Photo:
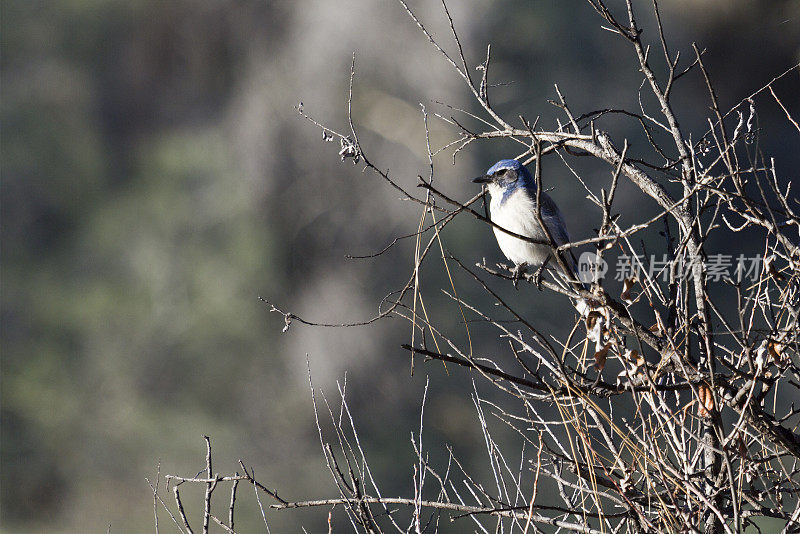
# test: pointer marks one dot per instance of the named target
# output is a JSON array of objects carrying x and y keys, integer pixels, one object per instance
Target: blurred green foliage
[{"x": 155, "y": 181}]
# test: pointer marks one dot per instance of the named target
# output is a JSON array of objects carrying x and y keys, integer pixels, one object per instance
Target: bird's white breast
[{"x": 518, "y": 214}]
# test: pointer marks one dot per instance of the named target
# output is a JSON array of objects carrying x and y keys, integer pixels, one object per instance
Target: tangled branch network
[{"x": 666, "y": 407}]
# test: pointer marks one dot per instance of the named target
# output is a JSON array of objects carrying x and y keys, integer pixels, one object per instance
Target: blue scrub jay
[{"x": 513, "y": 207}]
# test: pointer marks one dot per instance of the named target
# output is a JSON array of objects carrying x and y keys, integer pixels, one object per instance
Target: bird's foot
[
  {"x": 517, "y": 272},
  {"x": 537, "y": 276}
]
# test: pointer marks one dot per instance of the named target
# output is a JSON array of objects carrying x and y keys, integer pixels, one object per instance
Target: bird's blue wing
[
  {"x": 554, "y": 220},
  {"x": 557, "y": 227}
]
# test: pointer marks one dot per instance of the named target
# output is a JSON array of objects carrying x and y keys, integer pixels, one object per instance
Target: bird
[{"x": 513, "y": 207}]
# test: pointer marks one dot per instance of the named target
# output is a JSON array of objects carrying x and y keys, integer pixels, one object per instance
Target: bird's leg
[
  {"x": 517, "y": 271},
  {"x": 537, "y": 276}
]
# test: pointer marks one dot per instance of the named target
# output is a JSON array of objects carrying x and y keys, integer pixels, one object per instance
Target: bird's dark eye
[{"x": 501, "y": 172}]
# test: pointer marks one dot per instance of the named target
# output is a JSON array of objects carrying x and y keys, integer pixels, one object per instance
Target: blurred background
[{"x": 157, "y": 179}]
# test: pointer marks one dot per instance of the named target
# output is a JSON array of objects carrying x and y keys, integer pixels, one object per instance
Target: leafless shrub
[{"x": 665, "y": 398}]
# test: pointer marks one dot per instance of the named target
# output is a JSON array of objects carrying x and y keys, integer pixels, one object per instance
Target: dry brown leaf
[
  {"x": 595, "y": 328},
  {"x": 600, "y": 357},
  {"x": 706, "y": 398},
  {"x": 592, "y": 318},
  {"x": 769, "y": 266},
  {"x": 627, "y": 285},
  {"x": 776, "y": 351},
  {"x": 741, "y": 448},
  {"x": 634, "y": 358}
]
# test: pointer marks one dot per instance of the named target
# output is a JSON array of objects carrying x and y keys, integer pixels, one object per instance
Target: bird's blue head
[{"x": 506, "y": 175}]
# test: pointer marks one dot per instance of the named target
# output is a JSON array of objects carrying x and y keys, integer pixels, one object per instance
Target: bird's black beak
[{"x": 483, "y": 179}]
